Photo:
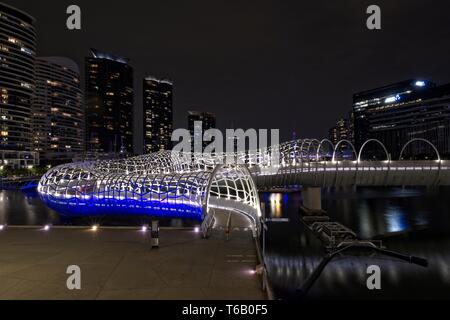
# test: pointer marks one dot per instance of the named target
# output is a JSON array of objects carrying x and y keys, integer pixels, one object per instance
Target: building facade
[
  {"x": 17, "y": 82},
  {"x": 398, "y": 113},
  {"x": 109, "y": 104},
  {"x": 208, "y": 121},
  {"x": 341, "y": 131},
  {"x": 158, "y": 114},
  {"x": 57, "y": 112}
]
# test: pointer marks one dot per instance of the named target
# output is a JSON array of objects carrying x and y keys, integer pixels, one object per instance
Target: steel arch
[
  {"x": 422, "y": 140},
  {"x": 339, "y": 143},
  {"x": 377, "y": 141}
]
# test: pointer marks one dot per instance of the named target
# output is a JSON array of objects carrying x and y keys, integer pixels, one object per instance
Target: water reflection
[
  {"x": 395, "y": 219},
  {"x": 18, "y": 208},
  {"x": 275, "y": 205},
  {"x": 411, "y": 221}
]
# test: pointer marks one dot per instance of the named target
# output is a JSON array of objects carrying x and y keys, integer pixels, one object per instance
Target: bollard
[{"x": 155, "y": 234}]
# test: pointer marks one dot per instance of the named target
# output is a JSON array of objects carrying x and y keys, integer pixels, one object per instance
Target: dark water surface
[{"x": 412, "y": 221}]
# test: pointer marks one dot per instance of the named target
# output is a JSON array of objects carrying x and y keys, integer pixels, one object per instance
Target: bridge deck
[{"x": 119, "y": 264}]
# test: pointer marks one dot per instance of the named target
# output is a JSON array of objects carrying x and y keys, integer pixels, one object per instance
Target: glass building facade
[
  {"x": 398, "y": 113},
  {"x": 109, "y": 104},
  {"x": 58, "y": 113},
  {"x": 158, "y": 114},
  {"x": 208, "y": 121}
]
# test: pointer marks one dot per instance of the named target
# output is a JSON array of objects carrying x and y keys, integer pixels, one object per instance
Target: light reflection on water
[
  {"x": 395, "y": 219},
  {"x": 17, "y": 208},
  {"x": 275, "y": 205},
  {"x": 411, "y": 221}
]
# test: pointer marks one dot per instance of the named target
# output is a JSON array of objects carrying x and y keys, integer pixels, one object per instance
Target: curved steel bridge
[{"x": 194, "y": 185}]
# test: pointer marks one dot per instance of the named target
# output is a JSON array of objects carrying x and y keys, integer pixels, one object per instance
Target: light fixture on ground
[
  {"x": 94, "y": 227},
  {"x": 2, "y": 227},
  {"x": 46, "y": 227},
  {"x": 196, "y": 229},
  {"x": 144, "y": 228}
]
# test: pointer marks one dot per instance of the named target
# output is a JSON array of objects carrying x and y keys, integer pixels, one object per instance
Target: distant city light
[
  {"x": 392, "y": 99},
  {"x": 2, "y": 227},
  {"x": 197, "y": 230},
  {"x": 94, "y": 227},
  {"x": 144, "y": 229},
  {"x": 420, "y": 83},
  {"x": 46, "y": 227}
]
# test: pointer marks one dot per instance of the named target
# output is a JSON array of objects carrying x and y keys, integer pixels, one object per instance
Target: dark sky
[{"x": 286, "y": 64}]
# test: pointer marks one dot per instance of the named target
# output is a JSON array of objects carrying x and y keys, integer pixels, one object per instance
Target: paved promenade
[{"x": 119, "y": 264}]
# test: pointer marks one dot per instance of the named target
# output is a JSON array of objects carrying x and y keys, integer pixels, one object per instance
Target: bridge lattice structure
[{"x": 183, "y": 185}]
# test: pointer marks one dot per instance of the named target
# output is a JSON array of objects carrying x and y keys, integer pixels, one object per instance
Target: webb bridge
[{"x": 193, "y": 186}]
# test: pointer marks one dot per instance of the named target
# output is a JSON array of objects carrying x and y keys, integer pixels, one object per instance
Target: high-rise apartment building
[
  {"x": 158, "y": 116},
  {"x": 109, "y": 104},
  {"x": 57, "y": 111}
]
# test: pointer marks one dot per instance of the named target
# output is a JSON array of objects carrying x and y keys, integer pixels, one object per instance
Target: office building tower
[
  {"x": 158, "y": 117},
  {"x": 208, "y": 121},
  {"x": 398, "y": 113},
  {"x": 109, "y": 104}
]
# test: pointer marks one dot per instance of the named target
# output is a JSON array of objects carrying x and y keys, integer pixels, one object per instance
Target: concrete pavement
[{"x": 119, "y": 264}]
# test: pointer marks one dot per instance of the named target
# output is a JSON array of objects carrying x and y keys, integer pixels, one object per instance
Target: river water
[{"x": 412, "y": 221}]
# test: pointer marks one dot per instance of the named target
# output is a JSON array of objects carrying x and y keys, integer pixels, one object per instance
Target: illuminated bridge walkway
[
  {"x": 193, "y": 186},
  {"x": 306, "y": 164}
]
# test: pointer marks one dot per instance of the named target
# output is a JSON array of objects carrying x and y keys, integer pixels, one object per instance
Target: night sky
[{"x": 292, "y": 65}]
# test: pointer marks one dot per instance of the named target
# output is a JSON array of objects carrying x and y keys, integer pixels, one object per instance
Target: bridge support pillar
[{"x": 312, "y": 198}]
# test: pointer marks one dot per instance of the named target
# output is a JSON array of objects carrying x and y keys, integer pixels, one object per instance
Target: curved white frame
[
  {"x": 339, "y": 143},
  {"x": 420, "y": 140},
  {"x": 388, "y": 158}
]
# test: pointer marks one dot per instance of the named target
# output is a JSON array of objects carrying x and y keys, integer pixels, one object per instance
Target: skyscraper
[
  {"x": 158, "y": 117},
  {"x": 208, "y": 121},
  {"x": 341, "y": 131},
  {"x": 17, "y": 80},
  {"x": 398, "y": 113},
  {"x": 109, "y": 104},
  {"x": 58, "y": 115}
]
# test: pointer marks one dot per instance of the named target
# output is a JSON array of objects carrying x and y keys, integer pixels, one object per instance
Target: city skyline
[{"x": 201, "y": 70}]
